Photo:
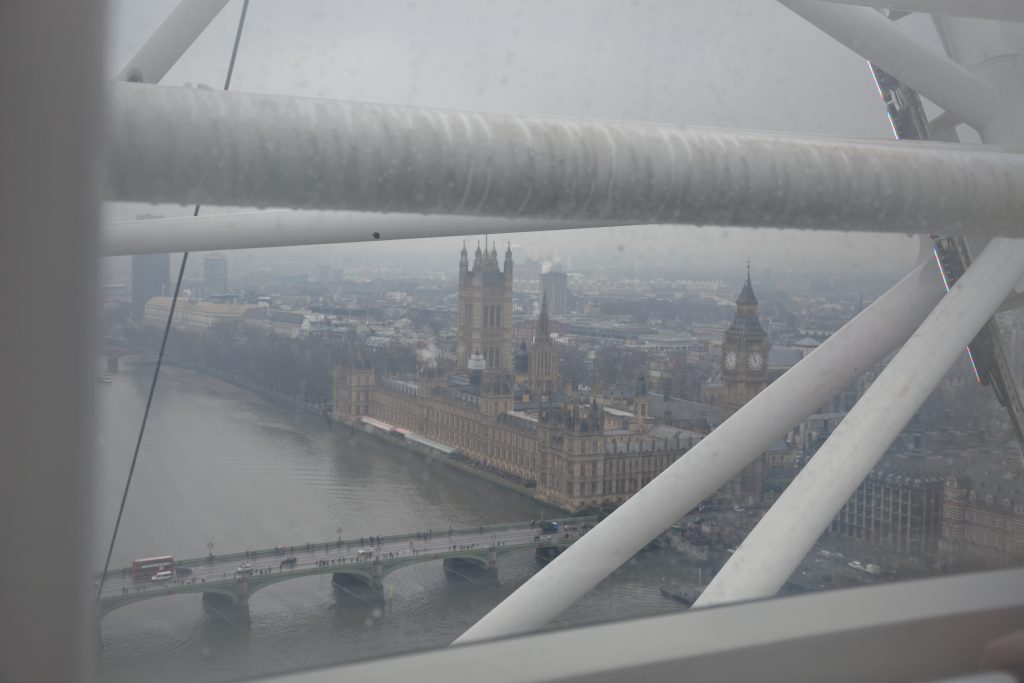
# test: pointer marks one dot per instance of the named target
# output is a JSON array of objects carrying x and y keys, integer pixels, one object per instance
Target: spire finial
[{"x": 747, "y": 293}]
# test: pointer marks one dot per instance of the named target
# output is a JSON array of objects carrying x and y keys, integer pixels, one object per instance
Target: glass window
[{"x": 321, "y": 446}]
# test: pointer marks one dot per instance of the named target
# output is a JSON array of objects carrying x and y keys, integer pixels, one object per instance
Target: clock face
[
  {"x": 730, "y": 360},
  {"x": 755, "y": 361}
]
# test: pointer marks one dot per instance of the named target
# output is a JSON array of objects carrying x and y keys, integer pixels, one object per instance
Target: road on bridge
[{"x": 318, "y": 556}]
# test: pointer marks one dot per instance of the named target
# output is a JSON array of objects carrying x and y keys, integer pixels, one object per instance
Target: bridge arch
[
  {"x": 471, "y": 558},
  {"x": 480, "y": 559},
  {"x": 108, "y": 606},
  {"x": 363, "y": 573}
]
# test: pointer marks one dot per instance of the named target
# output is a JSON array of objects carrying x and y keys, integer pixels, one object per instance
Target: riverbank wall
[
  {"x": 441, "y": 459},
  {"x": 427, "y": 453}
]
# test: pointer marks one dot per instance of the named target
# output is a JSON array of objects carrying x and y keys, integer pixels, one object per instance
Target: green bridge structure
[{"x": 229, "y": 581}]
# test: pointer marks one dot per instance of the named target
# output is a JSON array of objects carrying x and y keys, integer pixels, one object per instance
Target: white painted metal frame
[
  {"x": 193, "y": 146},
  {"x": 170, "y": 41},
  {"x": 772, "y": 551},
  {"x": 997, "y": 121},
  {"x": 880, "y": 41},
  {"x": 996, "y": 10},
  {"x": 827, "y": 482},
  {"x": 895, "y": 633}
]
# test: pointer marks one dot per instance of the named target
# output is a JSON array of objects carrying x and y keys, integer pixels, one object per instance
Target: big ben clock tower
[
  {"x": 744, "y": 373},
  {"x": 744, "y": 354}
]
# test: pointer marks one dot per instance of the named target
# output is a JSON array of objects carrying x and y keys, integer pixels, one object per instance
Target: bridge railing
[{"x": 284, "y": 551}]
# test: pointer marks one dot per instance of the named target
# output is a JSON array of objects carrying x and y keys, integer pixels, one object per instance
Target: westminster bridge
[{"x": 229, "y": 580}]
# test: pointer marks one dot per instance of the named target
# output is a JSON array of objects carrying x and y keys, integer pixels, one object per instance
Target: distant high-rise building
[
  {"x": 151, "y": 276},
  {"x": 215, "y": 275},
  {"x": 554, "y": 288},
  {"x": 485, "y": 309}
]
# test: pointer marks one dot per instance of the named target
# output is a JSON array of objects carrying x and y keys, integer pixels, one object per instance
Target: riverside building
[{"x": 571, "y": 449}]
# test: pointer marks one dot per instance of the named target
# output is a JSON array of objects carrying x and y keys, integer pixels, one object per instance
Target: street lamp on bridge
[
  {"x": 339, "y": 535},
  {"x": 209, "y": 548}
]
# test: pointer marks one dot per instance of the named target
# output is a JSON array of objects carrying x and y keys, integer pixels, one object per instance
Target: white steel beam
[
  {"x": 169, "y": 42},
  {"x": 997, "y": 10},
  {"x": 237, "y": 149},
  {"x": 882, "y": 42},
  {"x": 246, "y": 230},
  {"x": 737, "y": 442},
  {"x": 790, "y": 528}
]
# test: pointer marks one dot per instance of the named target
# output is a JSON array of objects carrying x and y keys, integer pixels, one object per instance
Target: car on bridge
[
  {"x": 365, "y": 554},
  {"x": 245, "y": 569},
  {"x": 289, "y": 561},
  {"x": 163, "y": 576}
]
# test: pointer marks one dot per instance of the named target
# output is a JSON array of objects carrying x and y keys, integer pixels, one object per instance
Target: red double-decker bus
[{"x": 151, "y": 565}]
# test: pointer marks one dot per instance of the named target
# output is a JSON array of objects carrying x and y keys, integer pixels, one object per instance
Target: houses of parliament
[{"x": 507, "y": 409}]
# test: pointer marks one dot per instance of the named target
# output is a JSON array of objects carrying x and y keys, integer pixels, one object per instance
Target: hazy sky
[{"x": 729, "y": 63}]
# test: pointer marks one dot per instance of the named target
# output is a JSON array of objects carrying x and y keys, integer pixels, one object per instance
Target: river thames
[{"x": 223, "y": 465}]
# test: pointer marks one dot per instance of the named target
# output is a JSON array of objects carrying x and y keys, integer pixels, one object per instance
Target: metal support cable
[{"x": 163, "y": 343}]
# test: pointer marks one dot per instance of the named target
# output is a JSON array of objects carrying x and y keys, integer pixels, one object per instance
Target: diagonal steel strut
[{"x": 782, "y": 538}]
